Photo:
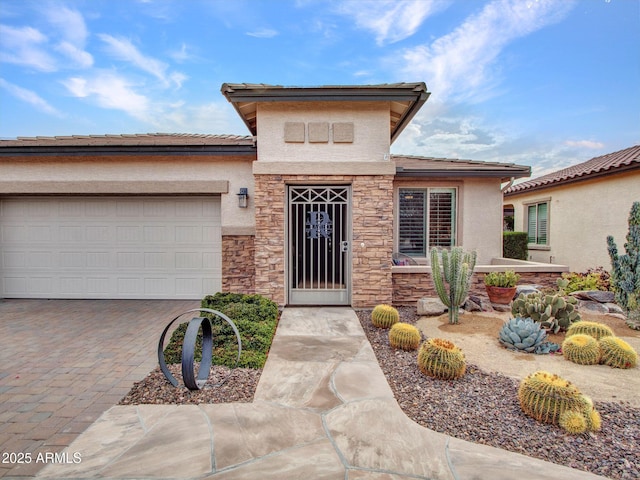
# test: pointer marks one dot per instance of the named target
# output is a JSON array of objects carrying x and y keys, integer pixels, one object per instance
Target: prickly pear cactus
[
  {"x": 553, "y": 312},
  {"x": 617, "y": 353},
  {"x": 525, "y": 335},
  {"x": 593, "y": 329},
  {"x": 441, "y": 359},
  {"x": 384, "y": 316},
  {"x": 456, "y": 272},
  {"x": 404, "y": 336},
  {"x": 547, "y": 397},
  {"x": 581, "y": 349}
]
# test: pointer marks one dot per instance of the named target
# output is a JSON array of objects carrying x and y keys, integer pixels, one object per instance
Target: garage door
[{"x": 110, "y": 247}]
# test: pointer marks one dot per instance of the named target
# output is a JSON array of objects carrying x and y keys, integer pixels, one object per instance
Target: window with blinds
[
  {"x": 538, "y": 223},
  {"x": 427, "y": 218}
]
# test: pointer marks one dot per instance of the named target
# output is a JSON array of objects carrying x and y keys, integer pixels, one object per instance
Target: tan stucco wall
[
  {"x": 581, "y": 215},
  {"x": 130, "y": 175},
  {"x": 371, "y": 131},
  {"x": 479, "y": 221}
]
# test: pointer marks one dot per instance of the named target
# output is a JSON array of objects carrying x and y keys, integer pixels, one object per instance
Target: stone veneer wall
[
  {"x": 409, "y": 287},
  {"x": 270, "y": 204},
  {"x": 238, "y": 264},
  {"x": 372, "y": 226}
]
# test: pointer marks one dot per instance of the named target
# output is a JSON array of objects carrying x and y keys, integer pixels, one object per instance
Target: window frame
[
  {"x": 536, "y": 204},
  {"x": 428, "y": 190}
]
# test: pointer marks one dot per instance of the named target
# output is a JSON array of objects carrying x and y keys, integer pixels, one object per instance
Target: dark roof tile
[{"x": 626, "y": 159}]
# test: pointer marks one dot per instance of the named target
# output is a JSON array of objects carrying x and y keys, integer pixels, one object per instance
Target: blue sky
[{"x": 542, "y": 83}]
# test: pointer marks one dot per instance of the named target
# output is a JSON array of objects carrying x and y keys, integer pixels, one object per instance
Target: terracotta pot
[{"x": 500, "y": 295}]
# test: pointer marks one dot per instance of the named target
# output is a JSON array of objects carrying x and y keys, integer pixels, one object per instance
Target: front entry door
[{"x": 319, "y": 248}]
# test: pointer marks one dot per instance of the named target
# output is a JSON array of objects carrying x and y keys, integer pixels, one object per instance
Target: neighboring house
[
  {"x": 306, "y": 210},
  {"x": 568, "y": 214}
]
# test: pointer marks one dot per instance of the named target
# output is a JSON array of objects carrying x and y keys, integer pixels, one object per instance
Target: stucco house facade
[
  {"x": 569, "y": 213},
  {"x": 307, "y": 209}
]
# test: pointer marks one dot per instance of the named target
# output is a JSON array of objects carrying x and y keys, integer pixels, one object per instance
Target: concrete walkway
[{"x": 322, "y": 410}]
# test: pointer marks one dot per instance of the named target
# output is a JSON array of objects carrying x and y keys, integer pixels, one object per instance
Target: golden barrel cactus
[
  {"x": 548, "y": 397},
  {"x": 404, "y": 336},
  {"x": 384, "y": 316},
  {"x": 617, "y": 353},
  {"x": 441, "y": 359},
  {"x": 593, "y": 329},
  {"x": 582, "y": 349}
]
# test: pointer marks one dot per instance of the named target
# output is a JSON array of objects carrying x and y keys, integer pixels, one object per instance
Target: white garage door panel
[{"x": 88, "y": 247}]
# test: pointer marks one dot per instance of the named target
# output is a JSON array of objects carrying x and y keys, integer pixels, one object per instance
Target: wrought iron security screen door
[{"x": 319, "y": 246}]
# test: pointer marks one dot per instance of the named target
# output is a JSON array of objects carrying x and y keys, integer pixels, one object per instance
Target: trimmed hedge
[
  {"x": 256, "y": 318},
  {"x": 515, "y": 245}
]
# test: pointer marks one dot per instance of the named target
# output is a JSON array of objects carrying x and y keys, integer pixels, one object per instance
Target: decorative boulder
[
  {"x": 594, "y": 307},
  {"x": 594, "y": 296},
  {"x": 431, "y": 307},
  {"x": 527, "y": 289}
]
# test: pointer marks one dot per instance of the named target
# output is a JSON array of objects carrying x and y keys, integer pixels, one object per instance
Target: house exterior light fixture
[{"x": 243, "y": 198}]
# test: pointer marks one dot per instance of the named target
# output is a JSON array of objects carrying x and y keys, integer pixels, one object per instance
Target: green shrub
[
  {"x": 592, "y": 279},
  {"x": 515, "y": 245},
  {"x": 256, "y": 318}
]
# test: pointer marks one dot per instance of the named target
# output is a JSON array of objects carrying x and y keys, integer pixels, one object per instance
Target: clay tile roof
[
  {"x": 616, "y": 162},
  {"x": 168, "y": 139}
]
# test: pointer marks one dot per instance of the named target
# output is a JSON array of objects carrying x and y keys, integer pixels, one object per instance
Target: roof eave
[
  {"x": 504, "y": 175},
  {"x": 409, "y": 114},
  {"x": 416, "y": 93}
]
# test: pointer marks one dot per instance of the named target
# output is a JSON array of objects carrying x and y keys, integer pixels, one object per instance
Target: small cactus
[
  {"x": 617, "y": 353},
  {"x": 582, "y": 349},
  {"x": 441, "y": 359},
  {"x": 593, "y": 329},
  {"x": 546, "y": 397},
  {"x": 573, "y": 422},
  {"x": 404, "y": 336},
  {"x": 384, "y": 316}
]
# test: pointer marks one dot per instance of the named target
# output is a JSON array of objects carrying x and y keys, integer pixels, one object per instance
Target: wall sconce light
[{"x": 243, "y": 198}]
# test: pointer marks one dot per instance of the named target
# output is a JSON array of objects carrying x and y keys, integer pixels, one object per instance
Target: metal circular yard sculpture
[{"x": 191, "y": 381}]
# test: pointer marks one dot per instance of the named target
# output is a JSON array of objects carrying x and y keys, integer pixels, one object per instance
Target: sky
[{"x": 544, "y": 83}]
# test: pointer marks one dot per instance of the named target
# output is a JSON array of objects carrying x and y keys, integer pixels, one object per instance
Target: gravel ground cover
[
  {"x": 483, "y": 408},
  {"x": 239, "y": 386}
]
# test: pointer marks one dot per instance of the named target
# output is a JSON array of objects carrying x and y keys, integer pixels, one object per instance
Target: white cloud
[
  {"x": 585, "y": 144},
  {"x": 111, "y": 91},
  {"x": 25, "y": 46},
  {"x": 214, "y": 117},
  {"x": 460, "y": 65},
  {"x": 30, "y": 97},
  {"x": 391, "y": 20},
  {"x": 69, "y": 23},
  {"x": 124, "y": 50},
  {"x": 181, "y": 55},
  {"x": 72, "y": 29},
  {"x": 77, "y": 55},
  {"x": 263, "y": 33}
]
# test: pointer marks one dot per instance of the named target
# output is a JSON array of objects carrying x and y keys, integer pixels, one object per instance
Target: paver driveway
[{"x": 64, "y": 362}]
